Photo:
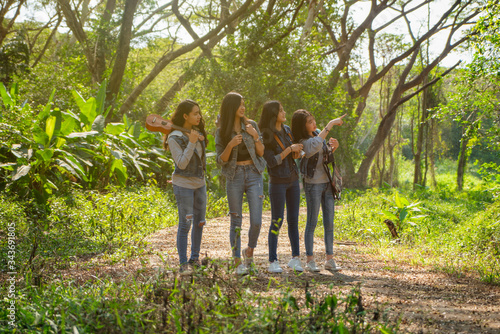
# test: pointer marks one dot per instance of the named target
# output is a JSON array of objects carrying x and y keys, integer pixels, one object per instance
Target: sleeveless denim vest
[
  {"x": 284, "y": 170},
  {"x": 197, "y": 165},
  {"x": 308, "y": 165}
]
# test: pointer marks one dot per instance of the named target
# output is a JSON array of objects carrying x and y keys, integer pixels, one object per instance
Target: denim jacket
[
  {"x": 276, "y": 166},
  {"x": 229, "y": 167},
  {"x": 197, "y": 165},
  {"x": 308, "y": 165}
]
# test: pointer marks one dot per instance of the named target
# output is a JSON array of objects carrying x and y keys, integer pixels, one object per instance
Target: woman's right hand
[
  {"x": 296, "y": 147},
  {"x": 193, "y": 136},
  {"x": 337, "y": 121},
  {"x": 236, "y": 140}
]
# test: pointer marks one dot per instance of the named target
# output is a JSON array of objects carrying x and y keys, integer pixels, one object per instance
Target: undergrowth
[
  {"x": 455, "y": 231},
  {"x": 212, "y": 300}
]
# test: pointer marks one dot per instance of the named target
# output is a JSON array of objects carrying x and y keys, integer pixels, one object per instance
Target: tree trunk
[
  {"x": 77, "y": 29},
  {"x": 432, "y": 161},
  {"x": 462, "y": 162},
  {"x": 102, "y": 37},
  {"x": 392, "y": 161},
  {"x": 5, "y": 7},
  {"x": 417, "y": 176},
  {"x": 122, "y": 51}
]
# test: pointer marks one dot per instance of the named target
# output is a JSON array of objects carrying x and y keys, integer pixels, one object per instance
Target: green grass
[
  {"x": 459, "y": 234},
  {"x": 212, "y": 301}
]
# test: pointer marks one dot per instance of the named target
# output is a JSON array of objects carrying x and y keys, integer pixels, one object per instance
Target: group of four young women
[{"x": 243, "y": 150}]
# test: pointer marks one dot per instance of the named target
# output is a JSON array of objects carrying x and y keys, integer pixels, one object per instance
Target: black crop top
[{"x": 243, "y": 153}]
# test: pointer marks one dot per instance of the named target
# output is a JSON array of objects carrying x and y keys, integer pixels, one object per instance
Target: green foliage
[
  {"x": 212, "y": 302},
  {"x": 14, "y": 58},
  {"x": 459, "y": 232},
  {"x": 68, "y": 146},
  {"x": 79, "y": 224},
  {"x": 490, "y": 172},
  {"x": 402, "y": 212}
]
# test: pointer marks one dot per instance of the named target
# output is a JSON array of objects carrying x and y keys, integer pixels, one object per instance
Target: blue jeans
[
  {"x": 316, "y": 195},
  {"x": 281, "y": 193},
  {"x": 191, "y": 206},
  {"x": 247, "y": 179}
]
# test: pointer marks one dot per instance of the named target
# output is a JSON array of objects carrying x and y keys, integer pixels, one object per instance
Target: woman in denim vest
[
  {"x": 284, "y": 187},
  {"x": 317, "y": 185},
  {"x": 239, "y": 152},
  {"x": 188, "y": 179}
]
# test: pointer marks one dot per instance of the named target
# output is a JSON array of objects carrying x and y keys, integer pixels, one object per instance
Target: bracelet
[
  {"x": 327, "y": 130},
  {"x": 256, "y": 140}
]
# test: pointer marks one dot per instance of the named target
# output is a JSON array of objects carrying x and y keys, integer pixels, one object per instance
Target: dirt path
[{"x": 426, "y": 300}]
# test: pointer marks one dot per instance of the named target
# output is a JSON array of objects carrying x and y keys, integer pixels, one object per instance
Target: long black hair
[
  {"x": 299, "y": 120},
  {"x": 267, "y": 122},
  {"x": 230, "y": 104},
  {"x": 184, "y": 108}
]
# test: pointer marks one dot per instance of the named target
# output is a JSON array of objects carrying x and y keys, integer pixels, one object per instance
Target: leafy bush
[
  {"x": 212, "y": 301},
  {"x": 87, "y": 223}
]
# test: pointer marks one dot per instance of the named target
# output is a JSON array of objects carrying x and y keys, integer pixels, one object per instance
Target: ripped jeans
[
  {"x": 191, "y": 206},
  {"x": 247, "y": 179}
]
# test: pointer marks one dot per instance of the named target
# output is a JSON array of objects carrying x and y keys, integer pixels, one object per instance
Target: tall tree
[
  {"x": 347, "y": 36},
  {"x": 8, "y": 8},
  {"x": 197, "y": 42}
]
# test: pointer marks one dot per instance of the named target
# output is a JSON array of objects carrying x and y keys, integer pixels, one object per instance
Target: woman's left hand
[
  {"x": 334, "y": 143},
  {"x": 252, "y": 131}
]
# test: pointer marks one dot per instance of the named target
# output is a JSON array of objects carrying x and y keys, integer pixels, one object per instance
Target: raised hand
[
  {"x": 252, "y": 131},
  {"x": 338, "y": 121},
  {"x": 193, "y": 136},
  {"x": 296, "y": 147},
  {"x": 236, "y": 140},
  {"x": 334, "y": 143}
]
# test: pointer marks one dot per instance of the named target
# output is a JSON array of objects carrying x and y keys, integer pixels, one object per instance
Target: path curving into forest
[{"x": 426, "y": 300}]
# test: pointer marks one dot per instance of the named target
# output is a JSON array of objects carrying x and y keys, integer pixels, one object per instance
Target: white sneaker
[
  {"x": 311, "y": 266},
  {"x": 274, "y": 267},
  {"x": 295, "y": 264},
  {"x": 241, "y": 269},
  {"x": 331, "y": 266}
]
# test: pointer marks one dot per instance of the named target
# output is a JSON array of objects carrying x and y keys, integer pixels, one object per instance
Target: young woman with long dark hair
[
  {"x": 317, "y": 185},
  {"x": 188, "y": 179},
  {"x": 284, "y": 187},
  {"x": 239, "y": 152}
]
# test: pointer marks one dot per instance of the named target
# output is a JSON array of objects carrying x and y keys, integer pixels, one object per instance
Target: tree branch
[{"x": 167, "y": 58}]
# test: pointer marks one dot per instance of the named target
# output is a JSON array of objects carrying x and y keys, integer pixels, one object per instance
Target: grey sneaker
[
  {"x": 185, "y": 270},
  {"x": 248, "y": 259},
  {"x": 295, "y": 264},
  {"x": 241, "y": 269},
  {"x": 311, "y": 266},
  {"x": 332, "y": 266},
  {"x": 275, "y": 267},
  {"x": 195, "y": 264}
]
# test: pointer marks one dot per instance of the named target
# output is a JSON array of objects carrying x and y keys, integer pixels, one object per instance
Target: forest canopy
[{"x": 379, "y": 62}]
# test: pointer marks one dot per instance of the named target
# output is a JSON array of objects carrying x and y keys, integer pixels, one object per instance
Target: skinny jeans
[{"x": 319, "y": 194}]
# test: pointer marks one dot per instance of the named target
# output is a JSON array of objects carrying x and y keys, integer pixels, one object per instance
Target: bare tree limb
[
  {"x": 169, "y": 57},
  {"x": 47, "y": 43}
]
